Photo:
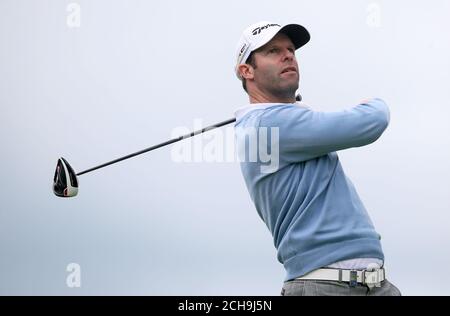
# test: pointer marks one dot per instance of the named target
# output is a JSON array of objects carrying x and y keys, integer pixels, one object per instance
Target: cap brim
[{"x": 297, "y": 33}]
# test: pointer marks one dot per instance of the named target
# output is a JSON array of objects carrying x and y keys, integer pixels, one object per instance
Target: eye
[
  {"x": 292, "y": 50},
  {"x": 273, "y": 50}
]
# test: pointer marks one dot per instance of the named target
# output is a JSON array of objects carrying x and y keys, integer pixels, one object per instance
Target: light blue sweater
[{"x": 309, "y": 205}]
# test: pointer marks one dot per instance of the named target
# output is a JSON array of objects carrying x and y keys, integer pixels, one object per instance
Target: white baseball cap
[{"x": 259, "y": 34}]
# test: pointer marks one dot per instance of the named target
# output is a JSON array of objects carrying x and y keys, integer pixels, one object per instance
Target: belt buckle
[{"x": 372, "y": 278}]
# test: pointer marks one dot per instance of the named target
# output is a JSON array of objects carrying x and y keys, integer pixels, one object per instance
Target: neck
[{"x": 260, "y": 97}]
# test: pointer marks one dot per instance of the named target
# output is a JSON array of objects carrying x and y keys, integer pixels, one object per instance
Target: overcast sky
[{"x": 99, "y": 79}]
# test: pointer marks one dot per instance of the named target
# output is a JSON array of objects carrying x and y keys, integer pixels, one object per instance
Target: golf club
[{"x": 65, "y": 182}]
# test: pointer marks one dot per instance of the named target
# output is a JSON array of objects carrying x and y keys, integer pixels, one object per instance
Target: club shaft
[{"x": 171, "y": 141}]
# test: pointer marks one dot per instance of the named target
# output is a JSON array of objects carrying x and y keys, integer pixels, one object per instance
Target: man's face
[{"x": 276, "y": 69}]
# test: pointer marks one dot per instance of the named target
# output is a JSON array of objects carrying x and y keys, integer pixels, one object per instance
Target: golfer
[{"x": 321, "y": 229}]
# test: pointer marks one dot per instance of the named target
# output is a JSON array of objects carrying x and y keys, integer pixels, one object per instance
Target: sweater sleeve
[{"x": 306, "y": 134}]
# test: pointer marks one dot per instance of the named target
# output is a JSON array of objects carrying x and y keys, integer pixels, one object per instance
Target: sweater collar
[{"x": 244, "y": 110}]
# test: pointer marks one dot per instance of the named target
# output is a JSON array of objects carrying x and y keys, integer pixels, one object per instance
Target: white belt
[{"x": 370, "y": 278}]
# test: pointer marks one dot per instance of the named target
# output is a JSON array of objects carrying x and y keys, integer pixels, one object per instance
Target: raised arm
[{"x": 305, "y": 134}]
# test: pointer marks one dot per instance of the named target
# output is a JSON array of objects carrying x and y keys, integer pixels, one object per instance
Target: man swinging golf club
[{"x": 321, "y": 229}]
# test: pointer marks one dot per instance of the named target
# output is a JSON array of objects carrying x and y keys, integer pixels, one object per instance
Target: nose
[{"x": 288, "y": 54}]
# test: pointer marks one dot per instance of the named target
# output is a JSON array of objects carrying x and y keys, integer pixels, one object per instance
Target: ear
[{"x": 246, "y": 71}]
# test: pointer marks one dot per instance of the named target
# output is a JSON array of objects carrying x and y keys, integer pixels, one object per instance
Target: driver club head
[{"x": 65, "y": 183}]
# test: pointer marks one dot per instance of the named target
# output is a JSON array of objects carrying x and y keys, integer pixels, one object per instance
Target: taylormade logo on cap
[{"x": 259, "y": 29}]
